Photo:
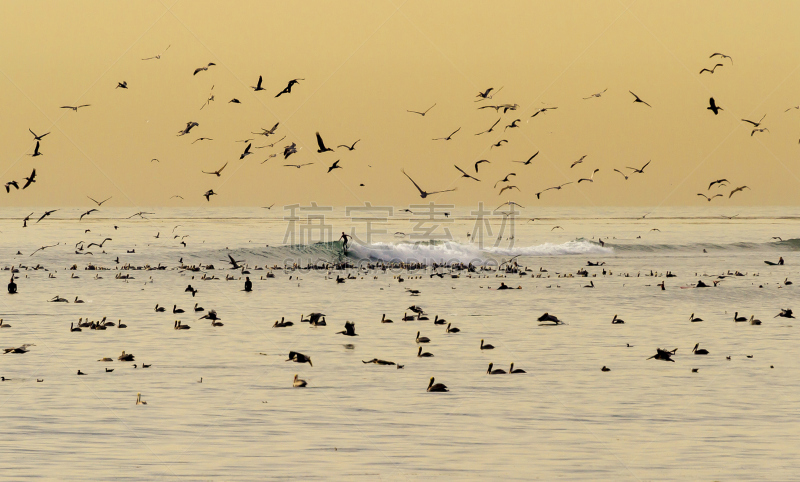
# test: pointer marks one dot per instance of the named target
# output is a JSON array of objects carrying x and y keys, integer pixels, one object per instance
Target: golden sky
[{"x": 364, "y": 64}]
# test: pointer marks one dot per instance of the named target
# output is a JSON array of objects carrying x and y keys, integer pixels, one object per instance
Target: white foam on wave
[{"x": 451, "y": 252}]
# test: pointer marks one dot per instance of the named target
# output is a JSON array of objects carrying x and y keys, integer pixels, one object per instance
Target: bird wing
[
  {"x": 701, "y": 194},
  {"x": 461, "y": 170},
  {"x": 446, "y": 190},
  {"x": 414, "y": 183},
  {"x": 223, "y": 167},
  {"x": 754, "y": 123},
  {"x": 320, "y": 143},
  {"x": 642, "y": 169},
  {"x": 476, "y": 164},
  {"x": 259, "y": 82}
]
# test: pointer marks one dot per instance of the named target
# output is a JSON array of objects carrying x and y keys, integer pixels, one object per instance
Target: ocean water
[{"x": 565, "y": 419}]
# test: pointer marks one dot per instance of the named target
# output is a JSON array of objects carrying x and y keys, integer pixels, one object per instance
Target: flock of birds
[{"x": 505, "y": 183}]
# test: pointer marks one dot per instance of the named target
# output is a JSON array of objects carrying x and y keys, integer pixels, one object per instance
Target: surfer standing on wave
[{"x": 345, "y": 239}]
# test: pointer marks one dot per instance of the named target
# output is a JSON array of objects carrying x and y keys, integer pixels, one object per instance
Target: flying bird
[
  {"x": 202, "y": 139},
  {"x": 159, "y": 55},
  {"x": 448, "y": 137},
  {"x": 267, "y": 132},
  {"x": 763, "y": 129},
  {"x": 740, "y": 188},
  {"x": 590, "y": 178},
  {"x": 637, "y": 99},
  {"x": 258, "y": 86},
  {"x": 87, "y": 213},
  {"x": 490, "y": 129},
  {"x": 122, "y": 85},
  {"x": 234, "y": 101},
  {"x": 464, "y": 174},
  {"x": 321, "y": 145},
  {"x": 713, "y": 106},
  {"x": 36, "y": 151},
  {"x": 201, "y": 69},
  {"x": 709, "y": 198},
  {"x": 335, "y": 165},
  {"x": 529, "y": 159},
  {"x": 99, "y": 244},
  {"x": 718, "y": 181},
  {"x": 538, "y": 194},
  {"x": 513, "y": 124},
  {"x": 35, "y": 137},
  {"x": 246, "y": 152},
  {"x": 349, "y": 148},
  {"x": 100, "y": 203},
  {"x": 43, "y": 248},
  {"x": 578, "y": 161},
  {"x": 217, "y": 172},
  {"x": 543, "y": 110},
  {"x": 288, "y": 89},
  {"x": 711, "y": 70},
  {"x": 721, "y": 55},
  {"x": 424, "y": 194},
  {"x": 485, "y": 94},
  {"x": 639, "y": 171},
  {"x": 25, "y": 221},
  {"x": 289, "y": 150},
  {"x": 30, "y": 179},
  {"x": 11, "y": 183},
  {"x": 209, "y": 193},
  {"x": 505, "y": 179},
  {"x": 480, "y": 162},
  {"x": 499, "y": 143},
  {"x": 755, "y": 124},
  {"x": 507, "y": 187},
  {"x": 46, "y": 213},
  {"x": 298, "y": 165},
  {"x": 75, "y": 108},
  {"x": 421, "y": 113},
  {"x": 189, "y": 126},
  {"x": 623, "y": 174},
  {"x": 597, "y": 94}
]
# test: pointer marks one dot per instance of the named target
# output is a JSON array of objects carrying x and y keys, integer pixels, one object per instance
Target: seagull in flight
[
  {"x": 464, "y": 174},
  {"x": 485, "y": 94},
  {"x": 202, "y": 139},
  {"x": 25, "y": 221},
  {"x": 298, "y": 165},
  {"x": 208, "y": 194},
  {"x": 43, "y": 248},
  {"x": 448, "y": 137},
  {"x": 421, "y": 113},
  {"x": 480, "y": 162},
  {"x": 639, "y": 171},
  {"x": 159, "y": 55},
  {"x": 36, "y": 151},
  {"x": 711, "y": 70},
  {"x": 217, "y": 172},
  {"x": 490, "y": 129},
  {"x": 321, "y": 145},
  {"x": 267, "y": 132},
  {"x": 543, "y": 110},
  {"x": 712, "y": 106},
  {"x": 509, "y": 203},
  {"x": 525, "y": 163},
  {"x": 201, "y": 69},
  {"x": 763, "y": 129},
  {"x": 623, "y": 174},
  {"x": 46, "y": 213},
  {"x": 189, "y": 126},
  {"x": 289, "y": 150},
  {"x": 709, "y": 198},
  {"x": 35, "y": 137},
  {"x": 499, "y": 143},
  {"x": 349, "y": 148},
  {"x": 505, "y": 179},
  {"x": 513, "y": 124},
  {"x": 637, "y": 99},
  {"x": 75, "y": 107},
  {"x": 578, "y": 161},
  {"x": 424, "y": 194},
  {"x": 30, "y": 179},
  {"x": 11, "y": 183},
  {"x": 335, "y": 165},
  {"x": 538, "y": 194},
  {"x": 740, "y": 188},
  {"x": 258, "y": 87},
  {"x": 755, "y": 124},
  {"x": 246, "y": 152},
  {"x": 99, "y": 244},
  {"x": 721, "y": 55},
  {"x": 122, "y": 85},
  {"x": 100, "y": 203},
  {"x": 507, "y": 187},
  {"x": 288, "y": 89},
  {"x": 140, "y": 214},
  {"x": 721, "y": 183},
  {"x": 590, "y": 178},
  {"x": 597, "y": 94}
]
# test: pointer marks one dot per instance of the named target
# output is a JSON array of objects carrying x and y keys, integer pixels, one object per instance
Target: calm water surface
[{"x": 734, "y": 419}]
